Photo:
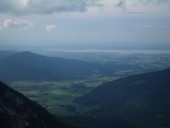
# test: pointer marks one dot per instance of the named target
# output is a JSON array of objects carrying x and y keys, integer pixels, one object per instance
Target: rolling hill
[
  {"x": 30, "y": 66},
  {"x": 17, "y": 111},
  {"x": 4, "y": 53},
  {"x": 142, "y": 100}
]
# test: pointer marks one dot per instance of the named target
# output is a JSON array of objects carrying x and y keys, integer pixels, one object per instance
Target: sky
[{"x": 120, "y": 23}]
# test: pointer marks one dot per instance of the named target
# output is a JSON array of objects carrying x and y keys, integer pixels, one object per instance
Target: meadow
[{"x": 58, "y": 96}]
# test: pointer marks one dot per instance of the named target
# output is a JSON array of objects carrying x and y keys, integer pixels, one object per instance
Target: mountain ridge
[
  {"x": 141, "y": 99},
  {"x": 31, "y": 66}
]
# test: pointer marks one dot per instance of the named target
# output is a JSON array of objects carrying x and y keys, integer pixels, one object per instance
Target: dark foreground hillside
[
  {"x": 16, "y": 111},
  {"x": 142, "y": 100}
]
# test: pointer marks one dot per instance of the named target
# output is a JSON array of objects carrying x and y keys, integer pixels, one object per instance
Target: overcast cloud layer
[
  {"x": 41, "y": 6},
  {"x": 117, "y": 22},
  {"x": 52, "y": 6}
]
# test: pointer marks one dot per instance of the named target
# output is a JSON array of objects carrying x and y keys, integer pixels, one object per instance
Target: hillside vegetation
[{"x": 142, "y": 100}]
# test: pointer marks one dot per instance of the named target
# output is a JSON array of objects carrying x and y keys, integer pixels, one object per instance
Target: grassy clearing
[{"x": 58, "y": 96}]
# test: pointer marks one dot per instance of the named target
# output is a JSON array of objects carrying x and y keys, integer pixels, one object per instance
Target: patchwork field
[{"x": 58, "y": 97}]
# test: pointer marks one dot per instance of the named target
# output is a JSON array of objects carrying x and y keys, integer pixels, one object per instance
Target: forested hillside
[{"x": 142, "y": 100}]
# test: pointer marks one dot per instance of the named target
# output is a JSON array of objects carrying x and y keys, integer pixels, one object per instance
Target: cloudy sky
[{"x": 80, "y": 22}]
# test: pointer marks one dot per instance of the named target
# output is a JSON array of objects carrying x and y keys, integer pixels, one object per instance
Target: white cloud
[
  {"x": 56, "y": 6},
  {"x": 50, "y": 27},
  {"x": 15, "y": 23}
]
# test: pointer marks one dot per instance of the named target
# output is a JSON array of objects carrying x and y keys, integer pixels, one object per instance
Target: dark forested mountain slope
[
  {"x": 16, "y": 111},
  {"x": 142, "y": 99}
]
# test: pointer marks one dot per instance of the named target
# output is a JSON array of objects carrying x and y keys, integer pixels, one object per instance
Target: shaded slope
[
  {"x": 142, "y": 99},
  {"x": 4, "y": 53},
  {"x": 30, "y": 66},
  {"x": 16, "y": 111}
]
